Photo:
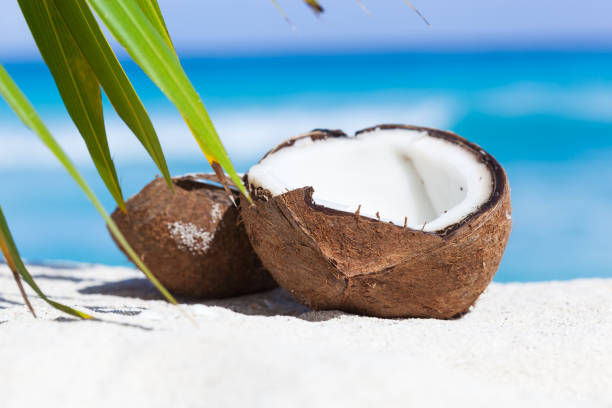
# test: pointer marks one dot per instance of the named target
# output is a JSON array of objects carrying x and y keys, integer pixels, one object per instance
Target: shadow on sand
[
  {"x": 276, "y": 302},
  {"x": 63, "y": 319}
]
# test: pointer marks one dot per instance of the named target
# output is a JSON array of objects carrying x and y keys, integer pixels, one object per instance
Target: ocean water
[{"x": 546, "y": 116}]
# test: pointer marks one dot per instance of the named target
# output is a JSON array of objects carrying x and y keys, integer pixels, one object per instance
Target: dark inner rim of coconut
[{"x": 197, "y": 181}]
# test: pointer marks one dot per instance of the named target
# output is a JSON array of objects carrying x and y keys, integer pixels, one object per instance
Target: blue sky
[{"x": 254, "y": 26}]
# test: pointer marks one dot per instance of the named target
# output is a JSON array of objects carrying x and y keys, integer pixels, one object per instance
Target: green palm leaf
[
  {"x": 13, "y": 259},
  {"x": 86, "y": 32},
  {"x": 151, "y": 9},
  {"x": 22, "y": 107},
  {"x": 76, "y": 82},
  {"x": 130, "y": 25}
]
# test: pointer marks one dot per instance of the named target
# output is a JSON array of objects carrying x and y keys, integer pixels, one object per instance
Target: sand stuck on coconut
[{"x": 192, "y": 239}]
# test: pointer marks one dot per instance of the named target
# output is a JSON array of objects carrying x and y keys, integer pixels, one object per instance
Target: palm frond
[
  {"x": 151, "y": 9},
  {"x": 283, "y": 14},
  {"x": 76, "y": 83},
  {"x": 314, "y": 6},
  {"x": 416, "y": 10},
  {"x": 26, "y": 112},
  {"x": 13, "y": 260},
  {"x": 91, "y": 41},
  {"x": 130, "y": 25}
]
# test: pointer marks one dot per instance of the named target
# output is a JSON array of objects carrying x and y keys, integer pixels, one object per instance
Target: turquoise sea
[{"x": 546, "y": 116}]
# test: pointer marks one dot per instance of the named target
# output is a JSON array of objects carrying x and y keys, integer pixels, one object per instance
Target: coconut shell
[
  {"x": 192, "y": 240},
  {"x": 330, "y": 259}
]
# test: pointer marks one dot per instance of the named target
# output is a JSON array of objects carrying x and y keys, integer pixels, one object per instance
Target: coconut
[
  {"x": 395, "y": 221},
  {"x": 192, "y": 239}
]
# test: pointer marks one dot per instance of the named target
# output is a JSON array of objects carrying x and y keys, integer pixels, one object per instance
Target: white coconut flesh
[{"x": 403, "y": 175}]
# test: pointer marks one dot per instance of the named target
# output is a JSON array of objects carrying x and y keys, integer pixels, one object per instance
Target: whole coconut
[
  {"x": 192, "y": 240},
  {"x": 331, "y": 252}
]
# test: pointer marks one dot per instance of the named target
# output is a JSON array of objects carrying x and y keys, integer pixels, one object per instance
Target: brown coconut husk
[
  {"x": 193, "y": 240},
  {"x": 330, "y": 259}
]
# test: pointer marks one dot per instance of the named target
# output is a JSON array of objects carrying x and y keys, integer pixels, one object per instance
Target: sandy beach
[
  {"x": 527, "y": 344},
  {"x": 384, "y": 158}
]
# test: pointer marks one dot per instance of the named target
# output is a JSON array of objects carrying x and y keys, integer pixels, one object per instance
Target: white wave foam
[
  {"x": 247, "y": 133},
  {"x": 584, "y": 101}
]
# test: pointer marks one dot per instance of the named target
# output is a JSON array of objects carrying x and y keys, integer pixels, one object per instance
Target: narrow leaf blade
[
  {"x": 314, "y": 6},
  {"x": 15, "y": 263},
  {"x": 416, "y": 10},
  {"x": 151, "y": 9},
  {"x": 284, "y": 15},
  {"x": 26, "y": 112},
  {"x": 89, "y": 37},
  {"x": 126, "y": 21},
  {"x": 76, "y": 83}
]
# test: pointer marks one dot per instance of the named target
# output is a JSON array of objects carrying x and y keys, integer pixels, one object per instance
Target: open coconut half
[{"x": 395, "y": 221}]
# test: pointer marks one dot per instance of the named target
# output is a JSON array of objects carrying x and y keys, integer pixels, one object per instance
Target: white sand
[{"x": 536, "y": 344}]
